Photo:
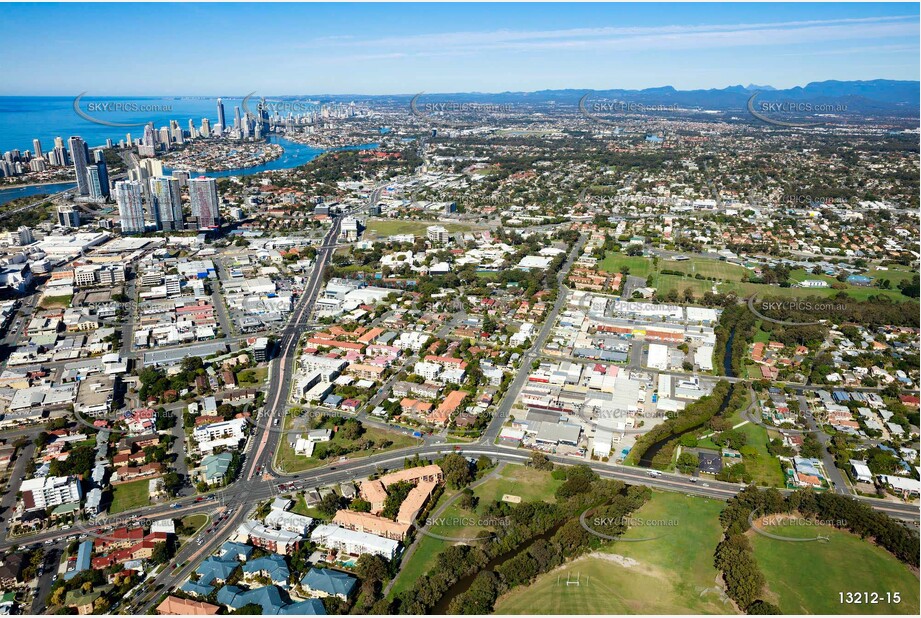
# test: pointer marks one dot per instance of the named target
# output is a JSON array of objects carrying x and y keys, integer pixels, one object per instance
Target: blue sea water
[{"x": 24, "y": 118}]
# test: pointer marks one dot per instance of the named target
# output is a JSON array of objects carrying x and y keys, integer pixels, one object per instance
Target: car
[
  {"x": 175, "y": 506},
  {"x": 49, "y": 541},
  {"x": 705, "y": 484},
  {"x": 200, "y": 499},
  {"x": 693, "y": 479},
  {"x": 332, "y": 467}
]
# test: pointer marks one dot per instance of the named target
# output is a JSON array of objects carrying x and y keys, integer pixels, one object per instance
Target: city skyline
[{"x": 397, "y": 49}]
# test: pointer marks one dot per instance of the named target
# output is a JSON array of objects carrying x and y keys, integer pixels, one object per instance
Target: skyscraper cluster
[{"x": 163, "y": 198}]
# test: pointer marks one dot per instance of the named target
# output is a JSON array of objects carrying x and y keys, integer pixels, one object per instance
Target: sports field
[
  {"x": 730, "y": 278},
  {"x": 704, "y": 267},
  {"x": 666, "y": 283},
  {"x": 807, "y": 577},
  {"x": 638, "y": 265},
  {"x": 672, "y": 574}
]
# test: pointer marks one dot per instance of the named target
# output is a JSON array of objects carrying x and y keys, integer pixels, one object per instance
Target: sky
[{"x": 287, "y": 49}]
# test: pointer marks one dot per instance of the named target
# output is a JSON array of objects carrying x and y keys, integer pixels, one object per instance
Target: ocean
[{"x": 23, "y": 119}]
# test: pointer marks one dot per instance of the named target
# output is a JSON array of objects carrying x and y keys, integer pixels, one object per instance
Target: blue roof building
[
  {"x": 269, "y": 598},
  {"x": 272, "y": 566},
  {"x": 196, "y": 588},
  {"x": 237, "y": 551},
  {"x": 84, "y": 560},
  {"x": 329, "y": 583},
  {"x": 310, "y": 607},
  {"x": 215, "y": 569}
]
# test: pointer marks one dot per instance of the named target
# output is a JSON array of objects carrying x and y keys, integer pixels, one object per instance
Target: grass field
[
  {"x": 806, "y": 578},
  {"x": 638, "y": 265},
  {"x": 259, "y": 375},
  {"x": 764, "y": 468},
  {"x": 761, "y": 336},
  {"x": 760, "y": 289},
  {"x": 894, "y": 274},
  {"x": 707, "y": 268},
  {"x": 392, "y": 227},
  {"x": 300, "y": 507},
  {"x": 290, "y": 462},
  {"x": 53, "y": 302},
  {"x": 130, "y": 496},
  {"x": 731, "y": 278},
  {"x": 666, "y": 283},
  {"x": 673, "y": 574},
  {"x": 519, "y": 480}
]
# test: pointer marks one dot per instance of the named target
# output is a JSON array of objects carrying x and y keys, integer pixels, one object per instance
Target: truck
[{"x": 654, "y": 473}]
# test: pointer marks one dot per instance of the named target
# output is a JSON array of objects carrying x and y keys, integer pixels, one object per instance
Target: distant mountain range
[{"x": 874, "y": 97}]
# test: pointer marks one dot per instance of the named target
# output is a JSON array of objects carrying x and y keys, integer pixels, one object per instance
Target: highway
[{"x": 259, "y": 481}]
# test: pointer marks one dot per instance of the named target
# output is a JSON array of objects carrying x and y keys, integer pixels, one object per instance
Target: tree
[
  {"x": 811, "y": 447},
  {"x": 688, "y": 462},
  {"x": 160, "y": 553},
  {"x": 330, "y": 503},
  {"x": 763, "y": 608},
  {"x": 540, "y": 461},
  {"x": 360, "y": 505},
  {"x": 579, "y": 480},
  {"x": 250, "y": 609},
  {"x": 468, "y": 500},
  {"x": 372, "y": 569},
  {"x": 456, "y": 470}
]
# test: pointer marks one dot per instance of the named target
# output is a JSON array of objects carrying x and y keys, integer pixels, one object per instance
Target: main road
[{"x": 258, "y": 482}]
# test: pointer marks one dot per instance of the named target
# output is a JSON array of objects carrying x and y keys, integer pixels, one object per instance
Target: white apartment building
[
  {"x": 226, "y": 433},
  {"x": 437, "y": 234},
  {"x": 427, "y": 370},
  {"x": 40, "y": 493},
  {"x": 353, "y": 542}
]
